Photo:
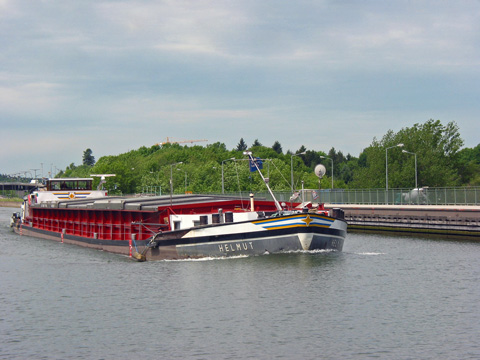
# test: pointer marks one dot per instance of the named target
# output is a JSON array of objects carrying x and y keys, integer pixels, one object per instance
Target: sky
[{"x": 113, "y": 75}]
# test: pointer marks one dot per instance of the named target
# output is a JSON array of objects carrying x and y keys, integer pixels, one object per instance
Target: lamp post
[
  {"x": 223, "y": 187},
  {"x": 171, "y": 181},
  {"x": 291, "y": 166},
  {"x": 386, "y": 170},
  {"x": 324, "y": 157},
  {"x": 411, "y": 153}
]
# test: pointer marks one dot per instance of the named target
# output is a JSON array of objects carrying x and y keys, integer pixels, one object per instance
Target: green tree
[
  {"x": 436, "y": 146},
  {"x": 256, "y": 143},
  {"x": 440, "y": 162},
  {"x": 302, "y": 149},
  {"x": 468, "y": 165},
  {"x": 277, "y": 147},
  {"x": 88, "y": 158},
  {"x": 242, "y": 146}
]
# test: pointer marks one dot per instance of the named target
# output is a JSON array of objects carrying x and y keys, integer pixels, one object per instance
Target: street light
[
  {"x": 25, "y": 172},
  {"x": 223, "y": 187},
  {"x": 291, "y": 165},
  {"x": 386, "y": 170},
  {"x": 324, "y": 157},
  {"x": 408, "y": 152},
  {"x": 185, "y": 182},
  {"x": 171, "y": 181}
]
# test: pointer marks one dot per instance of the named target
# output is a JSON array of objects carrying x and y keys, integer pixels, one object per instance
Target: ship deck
[
  {"x": 150, "y": 203},
  {"x": 118, "y": 218}
]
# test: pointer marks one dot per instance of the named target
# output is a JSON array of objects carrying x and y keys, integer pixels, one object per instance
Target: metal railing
[
  {"x": 152, "y": 190},
  {"x": 421, "y": 196}
]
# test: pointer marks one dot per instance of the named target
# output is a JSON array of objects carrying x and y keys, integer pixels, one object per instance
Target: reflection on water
[{"x": 424, "y": 236}]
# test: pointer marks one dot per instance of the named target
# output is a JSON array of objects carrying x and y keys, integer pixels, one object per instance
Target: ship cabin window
[
  {"x": 84, "y": 185},
  {"x": 54, "y": 186},
  {"x": 176, "y": 225},
  {"x": 69, "y": 184}
]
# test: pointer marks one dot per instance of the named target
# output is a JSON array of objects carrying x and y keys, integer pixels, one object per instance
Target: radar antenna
[{"x": 102, "y": 179}]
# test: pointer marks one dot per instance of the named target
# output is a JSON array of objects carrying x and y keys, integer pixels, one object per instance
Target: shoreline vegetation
[
  {"x": 425, "y": 155},
  {"x": 14, "y": 203},
  {"x": 428, "y": 154}
]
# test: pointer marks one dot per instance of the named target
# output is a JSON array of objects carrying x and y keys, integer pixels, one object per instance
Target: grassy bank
[{"x": 10, "y": 202}]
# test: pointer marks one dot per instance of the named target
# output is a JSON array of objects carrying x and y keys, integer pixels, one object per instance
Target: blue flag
[{"x": 259, "y": 163}]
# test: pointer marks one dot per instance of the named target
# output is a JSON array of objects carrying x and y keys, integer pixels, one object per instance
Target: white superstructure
[{"x": 66, "y": 189}]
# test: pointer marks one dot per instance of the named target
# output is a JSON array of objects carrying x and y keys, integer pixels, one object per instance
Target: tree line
[{"x": 437, "y": 149}]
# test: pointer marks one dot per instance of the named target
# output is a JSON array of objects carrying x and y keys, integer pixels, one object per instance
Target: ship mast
[{"x": 277, "y": 204}]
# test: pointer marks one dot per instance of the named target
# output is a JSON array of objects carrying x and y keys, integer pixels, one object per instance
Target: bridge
[{"x": 17, "y": 188}]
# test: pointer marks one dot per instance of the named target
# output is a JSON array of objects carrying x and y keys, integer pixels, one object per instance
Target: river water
[{"x": 382, "y": 297}]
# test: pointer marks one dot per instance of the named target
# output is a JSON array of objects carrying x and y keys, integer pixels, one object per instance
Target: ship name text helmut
[{"x": 235, "y": 246}]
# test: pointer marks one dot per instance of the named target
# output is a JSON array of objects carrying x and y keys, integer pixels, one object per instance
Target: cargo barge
[{"x": 176, "y": 227}]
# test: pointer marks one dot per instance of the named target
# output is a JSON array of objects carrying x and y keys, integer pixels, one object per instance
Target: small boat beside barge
[{"x": 178, "y": 227}]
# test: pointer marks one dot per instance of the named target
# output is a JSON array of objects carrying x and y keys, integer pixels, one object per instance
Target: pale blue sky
[{"x": 116, "y": 75}]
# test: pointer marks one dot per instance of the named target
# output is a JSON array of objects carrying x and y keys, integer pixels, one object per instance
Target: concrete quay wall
[{"x": 449, "y": 221}]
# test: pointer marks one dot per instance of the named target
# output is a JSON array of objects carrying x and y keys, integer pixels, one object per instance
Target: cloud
[
  {"x": 178, "y": 26},
  {"x": 321, "y": 74},
  {"x": 28, "y": 100}
]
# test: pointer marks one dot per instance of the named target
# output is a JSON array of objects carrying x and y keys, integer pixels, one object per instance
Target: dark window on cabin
[
  {"x": 83, "y": 185},
  {"x": 69, "y": 185},
  {"x": 54, "y": 185}
]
